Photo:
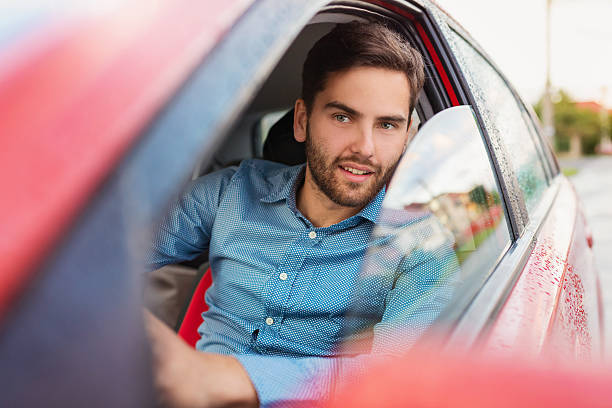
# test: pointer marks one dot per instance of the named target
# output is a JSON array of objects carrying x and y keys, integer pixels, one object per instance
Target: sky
[
  {"x": 511, "y": 31},
  {"x": 513, "y": 34}
]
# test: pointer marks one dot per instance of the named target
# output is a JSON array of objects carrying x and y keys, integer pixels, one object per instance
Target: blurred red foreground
[{"x": 429, "y": 378}]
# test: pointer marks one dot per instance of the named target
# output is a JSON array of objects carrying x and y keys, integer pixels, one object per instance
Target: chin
[{"x": 354, "y": 200}]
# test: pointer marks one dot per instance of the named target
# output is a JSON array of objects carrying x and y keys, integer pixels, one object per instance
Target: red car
[{"x": 107, "y": 111}]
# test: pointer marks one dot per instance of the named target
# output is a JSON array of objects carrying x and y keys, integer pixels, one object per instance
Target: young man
[{"x": 286, "y": 243}]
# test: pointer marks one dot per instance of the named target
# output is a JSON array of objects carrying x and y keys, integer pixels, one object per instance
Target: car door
[
  {"x": 535, "y": 291},
  {"x": 544, "y": 295}
]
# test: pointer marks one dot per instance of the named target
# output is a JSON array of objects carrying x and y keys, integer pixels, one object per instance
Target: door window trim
[{"x": 506, "y": 176}]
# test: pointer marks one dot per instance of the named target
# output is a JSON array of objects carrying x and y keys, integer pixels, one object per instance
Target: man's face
[{"x": 356, "y": 132}]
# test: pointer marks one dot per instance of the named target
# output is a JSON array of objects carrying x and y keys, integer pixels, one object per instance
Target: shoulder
[
  {"x": 216, "y": 181},
  {"x": 258, "y": 176},
  {"x": 264, "y": 172},
  {"x": 264, "y": 168}
]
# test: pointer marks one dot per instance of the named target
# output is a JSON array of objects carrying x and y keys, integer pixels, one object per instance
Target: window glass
[
  {"x": 440, "y": 233},
  {"x": 503, "y": 118},
  {"x": 543, "y": 147}
]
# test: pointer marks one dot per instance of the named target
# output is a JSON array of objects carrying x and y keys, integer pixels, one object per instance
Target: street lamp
[{"x": 547, "y": 108}]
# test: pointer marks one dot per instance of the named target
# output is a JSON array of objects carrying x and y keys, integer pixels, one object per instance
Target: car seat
[{"x": 280, "y": 145}]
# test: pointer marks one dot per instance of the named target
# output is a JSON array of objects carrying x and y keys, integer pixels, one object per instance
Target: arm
[
  {"x": 185, "y": 377},
  {"x": 423, "y": 288},
  {"x": 189, "y": 378},
  {"x": 184, "y": 232}
]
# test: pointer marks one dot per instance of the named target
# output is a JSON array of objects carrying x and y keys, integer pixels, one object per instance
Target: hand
[{"x": 188, "y": 378}]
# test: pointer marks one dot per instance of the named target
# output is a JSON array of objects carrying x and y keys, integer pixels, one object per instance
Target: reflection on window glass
[
  {"x": 441, "y": 230},
  {"x": 504, "y": 119}
]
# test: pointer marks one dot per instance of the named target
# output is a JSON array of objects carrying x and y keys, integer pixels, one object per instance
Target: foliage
[
  {"x": 569, "y": 171},
  {"x": 571, "y": 120},
  {"x": 478, "y": 195}
]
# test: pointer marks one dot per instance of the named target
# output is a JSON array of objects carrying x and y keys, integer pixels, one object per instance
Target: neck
[{"x": 315, "y": 205}]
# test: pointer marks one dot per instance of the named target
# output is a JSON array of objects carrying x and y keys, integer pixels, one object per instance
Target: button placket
[
  {"x": 291, "y": 271},
  {"x": 274, "y": 286},
  {"x": 280, "y": 287}
]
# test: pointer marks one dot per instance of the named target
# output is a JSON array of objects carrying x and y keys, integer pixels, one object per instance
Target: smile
[{"x": 356, "y": 171}]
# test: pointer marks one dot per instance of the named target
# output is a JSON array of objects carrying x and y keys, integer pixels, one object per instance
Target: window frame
[
  {"x": 420, "y": 26},
  {"x": 477, "y": 318},
  {"x": 409, "y": 16},
  {"x": 517, "y": 210}
]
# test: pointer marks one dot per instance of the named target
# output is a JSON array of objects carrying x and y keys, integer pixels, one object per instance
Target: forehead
[{"x": 368, "y": 90}]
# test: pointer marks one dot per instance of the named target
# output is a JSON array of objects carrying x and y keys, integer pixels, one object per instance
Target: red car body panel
[
  {"x": 427, "y": 378},
  {"x": 554, "y": 306},
  {"x": 64, "y": 117}
]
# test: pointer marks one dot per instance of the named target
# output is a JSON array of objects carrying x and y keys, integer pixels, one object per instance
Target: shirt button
[
  {"x": 312, "y": 235},
  {"x": 283, "y": 276},
  {"x": 269, "y": 321}
]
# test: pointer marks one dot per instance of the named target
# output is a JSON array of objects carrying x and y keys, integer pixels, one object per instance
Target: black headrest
[{"x": 280, "y": 145}]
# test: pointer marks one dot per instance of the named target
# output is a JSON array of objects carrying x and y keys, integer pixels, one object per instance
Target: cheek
[
  {"x": 334, "y": 138},
  {"x": 389, "y": 149}
]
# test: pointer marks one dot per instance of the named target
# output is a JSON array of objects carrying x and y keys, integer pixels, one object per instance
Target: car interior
[{"x": 265, "y": 130}]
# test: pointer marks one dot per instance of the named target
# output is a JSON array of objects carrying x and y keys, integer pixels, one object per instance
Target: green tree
[
  {"x": 571, "y": 120},
  {"x": 479, "y": 195}
]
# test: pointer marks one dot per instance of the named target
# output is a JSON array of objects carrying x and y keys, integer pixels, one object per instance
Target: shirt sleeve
[
  {"x": 184, "y": 232},
  {"x": 306, "y": 381},
  {"x": 303, "y": 382},
  {"x": 423, "y": 288}
]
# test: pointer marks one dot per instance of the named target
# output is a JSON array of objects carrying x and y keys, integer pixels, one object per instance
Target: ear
[{"x": 300, "y": 120}]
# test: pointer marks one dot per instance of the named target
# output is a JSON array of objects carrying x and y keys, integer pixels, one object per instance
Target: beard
[{"x": 343, "y": 192}]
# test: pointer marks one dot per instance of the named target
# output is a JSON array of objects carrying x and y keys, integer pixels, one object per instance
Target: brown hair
[{"x": 358, "y": 44}]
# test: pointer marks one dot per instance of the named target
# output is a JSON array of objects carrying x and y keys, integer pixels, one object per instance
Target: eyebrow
[
  {"x": 341, "y": 106},
  {"x": 387, "y": 118}
]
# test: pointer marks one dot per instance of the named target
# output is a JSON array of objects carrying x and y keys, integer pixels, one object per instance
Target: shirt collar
[
  {"x": 284, "y": 185},
  {"x": 372, "y": 210}
]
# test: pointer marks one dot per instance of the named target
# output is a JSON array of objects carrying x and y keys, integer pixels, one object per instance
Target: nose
[{"x": 363, "y": 142}]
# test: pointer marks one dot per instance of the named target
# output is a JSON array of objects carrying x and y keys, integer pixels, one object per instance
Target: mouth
[{"x": 356, "y": 173}]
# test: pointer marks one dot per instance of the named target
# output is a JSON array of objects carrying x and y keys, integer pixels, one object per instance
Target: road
[{"x": 593, "y": 183}]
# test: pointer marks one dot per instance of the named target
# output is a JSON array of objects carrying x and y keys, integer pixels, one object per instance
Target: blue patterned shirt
[{"x": 282, "y": 287}]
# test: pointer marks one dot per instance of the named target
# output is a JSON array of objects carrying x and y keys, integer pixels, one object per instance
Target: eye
[
  {"x": 387, "y": 125},
  {"x": 341, "y": 118}
]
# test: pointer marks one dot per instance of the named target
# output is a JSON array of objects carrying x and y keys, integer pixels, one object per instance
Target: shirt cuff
[{"x": 283, "y": 381}]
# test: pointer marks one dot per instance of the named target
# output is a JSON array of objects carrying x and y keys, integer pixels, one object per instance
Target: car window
[
  {"x": 441, "y": 231},
  {"x": 548, "y": 160},
  {"x": 504, "y": 119}
]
